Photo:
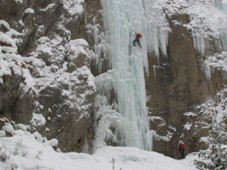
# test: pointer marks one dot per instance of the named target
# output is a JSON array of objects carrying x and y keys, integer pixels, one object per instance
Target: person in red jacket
[
  {"x": 181, "y": 148},
  {"x": 137, "y": 39}
]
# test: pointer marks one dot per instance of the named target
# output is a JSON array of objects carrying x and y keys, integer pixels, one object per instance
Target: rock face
[
  {"x": 14, "y": 104},
  {"x": 50, "y": 47},
  {"x": 17, "y": 96},
  {"x": 175, "y": 86}
]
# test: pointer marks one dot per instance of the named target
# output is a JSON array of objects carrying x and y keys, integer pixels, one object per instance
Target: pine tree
[{"x": 215, "y": 157}]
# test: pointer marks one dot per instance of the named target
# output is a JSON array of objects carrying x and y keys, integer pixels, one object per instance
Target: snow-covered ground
[{"x": 26, "y": 151}]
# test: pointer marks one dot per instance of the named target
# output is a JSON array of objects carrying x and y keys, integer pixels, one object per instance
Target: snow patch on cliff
[
  {"x": 216, "y": 62},
  {"x": 207, "y": 23},
  {"x": 206, "y": 20},
  {"x": 74, "y": 7},
  {"x": 10, "y": 61}
]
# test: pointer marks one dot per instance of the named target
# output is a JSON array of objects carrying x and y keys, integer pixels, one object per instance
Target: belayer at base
[{"x": 181, "y": 148}]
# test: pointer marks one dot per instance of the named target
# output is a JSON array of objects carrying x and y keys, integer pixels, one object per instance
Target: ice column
[
  {"x": 122, "y": 18},
  {"x": 224, "y": 35}
]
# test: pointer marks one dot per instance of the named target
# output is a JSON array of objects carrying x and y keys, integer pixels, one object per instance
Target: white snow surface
[
  {"x": 38, "y": 120},
  {"x": 50, "y": 6},
  {"x": 19, "y": 1},
  {"x": 29, "y": 11},
  {"x": 26, "y": 151},
  {"x": 74, "y": 7}
]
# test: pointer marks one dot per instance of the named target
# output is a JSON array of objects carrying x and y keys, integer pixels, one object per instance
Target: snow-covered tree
[{"x": 215, "y": 157}]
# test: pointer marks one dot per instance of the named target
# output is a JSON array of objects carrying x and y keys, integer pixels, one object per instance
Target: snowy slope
[{"x": 26, "y": 151}]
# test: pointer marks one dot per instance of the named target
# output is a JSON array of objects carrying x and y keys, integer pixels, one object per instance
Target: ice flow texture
[{"x": 122, "y": 18}]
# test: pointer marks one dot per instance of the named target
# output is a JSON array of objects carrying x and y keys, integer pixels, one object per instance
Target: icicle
[
  {"x": 154, "y": 68},
  {"x": 207, "y": 70},
  {"x": 224, "y": 34},
  {"x": 199, "y": 42},
  {"x": 224, "y": 69},
  {"x": 218, "y": 3}
]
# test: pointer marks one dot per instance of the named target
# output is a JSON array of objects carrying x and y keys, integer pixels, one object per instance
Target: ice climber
[
  {"x": 181, "y": 148},
  {"x": 137, "y": 39}
]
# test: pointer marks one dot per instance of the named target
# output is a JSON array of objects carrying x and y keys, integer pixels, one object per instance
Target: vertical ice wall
[
  {"x": 122, "y": 18},
  {"x": 218, "y": 3},
  {"x": 223, "y": 6}
]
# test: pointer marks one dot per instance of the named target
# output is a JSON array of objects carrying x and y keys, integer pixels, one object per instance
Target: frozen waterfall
[
  {"x": 224, "y": 35},
  {"x": 122, "y": 18}
]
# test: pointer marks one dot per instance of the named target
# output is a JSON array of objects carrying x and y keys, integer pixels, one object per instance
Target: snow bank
[
  {"x": 24, "y": 151},
  {"x": 4, "y": 38}
]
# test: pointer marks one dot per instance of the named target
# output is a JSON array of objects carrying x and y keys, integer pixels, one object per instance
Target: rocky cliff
[
  {"x": 49, "y": 47},
  {"x": 176, "y": 84}
]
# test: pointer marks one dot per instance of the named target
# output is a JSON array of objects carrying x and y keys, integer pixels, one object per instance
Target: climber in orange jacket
[{"x": 137, "y": 39}]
